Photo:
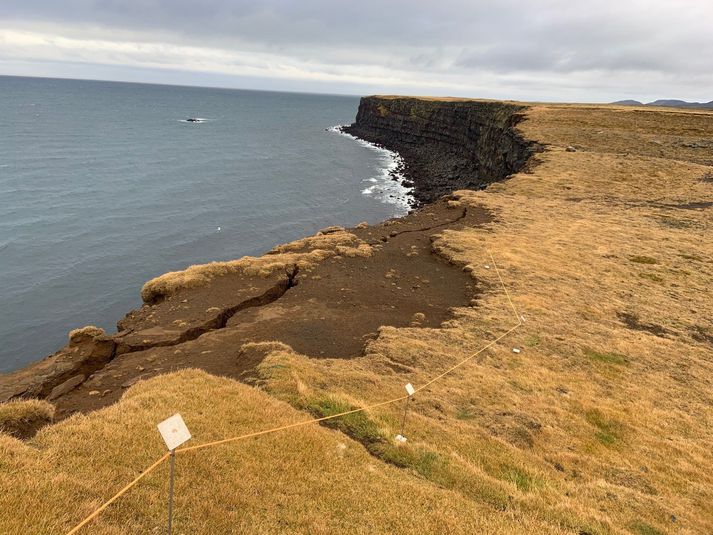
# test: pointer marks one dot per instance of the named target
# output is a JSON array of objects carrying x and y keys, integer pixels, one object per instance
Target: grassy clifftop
[{"x": 602, "y": 423}]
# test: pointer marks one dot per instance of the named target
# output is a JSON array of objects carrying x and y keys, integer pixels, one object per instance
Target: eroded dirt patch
[
  {"x": 329, "y": 310},
  {"x": 632, "y": 321}
]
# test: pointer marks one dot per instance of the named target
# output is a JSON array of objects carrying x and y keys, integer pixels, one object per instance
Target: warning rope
[{"x": 158, "y": 462}]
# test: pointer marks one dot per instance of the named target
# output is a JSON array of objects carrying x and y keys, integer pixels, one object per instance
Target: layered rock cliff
[{"x": 447, "y": 144}]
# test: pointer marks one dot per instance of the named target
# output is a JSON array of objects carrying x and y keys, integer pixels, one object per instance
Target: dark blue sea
[{"x": 105, "y": 185}]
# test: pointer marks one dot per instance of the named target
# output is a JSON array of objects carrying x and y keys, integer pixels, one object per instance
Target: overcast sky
[{"x": 556, "y": 50}]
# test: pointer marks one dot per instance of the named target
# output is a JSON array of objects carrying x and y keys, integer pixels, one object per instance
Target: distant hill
[
  {"x": 628, "y": 103},
  {"x": 667, "y": 102}
]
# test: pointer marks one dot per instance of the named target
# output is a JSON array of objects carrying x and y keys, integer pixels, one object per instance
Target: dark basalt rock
[{"x": 447, "y": 145}]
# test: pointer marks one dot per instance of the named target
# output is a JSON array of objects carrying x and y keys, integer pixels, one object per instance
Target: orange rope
[
  {"x": 117, "y": 495},
  {"x": 306, "y": 422}
]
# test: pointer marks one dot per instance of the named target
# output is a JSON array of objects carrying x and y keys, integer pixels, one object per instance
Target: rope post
[
  {"x": 410, "y": 390},
  {"x": 174, "y": 433},
  {"x": 172, "y": 463}
]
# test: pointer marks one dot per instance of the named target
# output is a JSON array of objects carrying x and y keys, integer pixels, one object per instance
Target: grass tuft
[
  {"x": 693, "y": 257},
  {"x": 642, "y": 528},
  {"x": 640, "y": 259},
  {"x": 606, "y": 357},
  {"x": 22, "y": 418},
  {"x": 609, "y": 431},
  {"x": 524, "y": 481},
  {"x": 304, "y": 254}
]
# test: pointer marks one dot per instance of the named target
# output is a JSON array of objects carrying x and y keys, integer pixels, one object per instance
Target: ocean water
[{"x": 105, "y": 185}]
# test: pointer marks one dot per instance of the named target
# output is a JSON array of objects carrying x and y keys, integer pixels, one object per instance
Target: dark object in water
[{"x": 193, "y": 120}]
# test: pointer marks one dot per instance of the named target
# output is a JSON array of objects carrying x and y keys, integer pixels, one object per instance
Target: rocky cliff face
[{"x": 447, "y": 145}]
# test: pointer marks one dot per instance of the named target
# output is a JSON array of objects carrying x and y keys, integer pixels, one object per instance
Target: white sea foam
[{"x": 388, "y": 184}]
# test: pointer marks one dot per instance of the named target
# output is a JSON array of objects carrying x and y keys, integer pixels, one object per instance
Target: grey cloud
[{"x": 458, "y": 39}]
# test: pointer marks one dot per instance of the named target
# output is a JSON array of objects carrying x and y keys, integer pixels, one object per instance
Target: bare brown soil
[{"x": 329, "y": 310}]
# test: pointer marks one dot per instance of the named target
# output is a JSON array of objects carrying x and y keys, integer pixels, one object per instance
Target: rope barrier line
[
  {"x": 507, "y": 294},
  {"x": 289, "y": 426},
  {"x": 117, "y": 495},
  {"x": 306, "y": 422},
  {"x": 449, "y": 370},
  {"x": 490, "y": 344}
]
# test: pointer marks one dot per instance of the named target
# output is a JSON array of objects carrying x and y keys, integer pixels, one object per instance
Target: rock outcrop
[
  {"x": 89, "y": 349},
  {"x": 447, "y": 144}
]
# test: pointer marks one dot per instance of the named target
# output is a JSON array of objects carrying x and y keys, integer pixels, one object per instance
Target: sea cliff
[
  {"x": 557, "y": 326},
  {"x": 447, "y": 144}
]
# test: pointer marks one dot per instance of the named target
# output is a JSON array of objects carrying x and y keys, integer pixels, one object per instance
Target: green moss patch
[
  {"x": 465, "y": 413},
  {"x": 608, "y": 357},
  {"x": 609, "y": 431},
  {"x": 357, "y": 425},
  {"x": 533, "y": 340},
  {"x": 523, "y": 480}
]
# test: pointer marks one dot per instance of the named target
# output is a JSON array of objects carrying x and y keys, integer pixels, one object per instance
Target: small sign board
[
  {"x": 174, "y": 431},
  {"x": 410, "y": 389}
]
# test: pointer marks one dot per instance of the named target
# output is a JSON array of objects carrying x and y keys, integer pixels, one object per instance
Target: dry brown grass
[
  {"x": 312, "y": 480},
  {"x": 601, "y": 424},
  {"x": 304, "y": 253},
  {"x": 17, "y": 416},
  {"x": 90, "y": 331}
]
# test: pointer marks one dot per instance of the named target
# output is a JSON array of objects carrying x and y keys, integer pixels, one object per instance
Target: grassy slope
[
  {"x": 594, "y": 427},
  {"x": 310, "y": 480}
]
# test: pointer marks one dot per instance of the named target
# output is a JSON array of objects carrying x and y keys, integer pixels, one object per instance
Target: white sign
[
  {"x": 174, "y": 431},
  {"x": 410, "y": 389}
]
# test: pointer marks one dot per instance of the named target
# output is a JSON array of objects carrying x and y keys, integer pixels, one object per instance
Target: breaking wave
[{"x": 388, "y": 185}]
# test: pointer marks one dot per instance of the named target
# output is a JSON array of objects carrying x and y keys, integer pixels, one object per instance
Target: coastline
[
  {"x": 448, "y": 144},
  {"x": 238, "y": 184},
  {"x": 594, "y": 416},
  {"x": 90, "y": 350},
  {"x": 393, "y": 187}
]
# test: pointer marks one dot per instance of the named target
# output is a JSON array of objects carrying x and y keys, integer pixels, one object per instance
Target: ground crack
[
  {"x": 221, "y": 320},
  {"x": 424, "y": 229}
]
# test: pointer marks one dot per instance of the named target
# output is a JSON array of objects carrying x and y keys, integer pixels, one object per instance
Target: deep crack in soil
[
  {"x": 161, "y": 337},
  {"x": 331, "y": 310}
]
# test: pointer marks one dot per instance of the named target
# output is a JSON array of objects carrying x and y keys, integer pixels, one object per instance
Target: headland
[{"x": 598, "y": 218}]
